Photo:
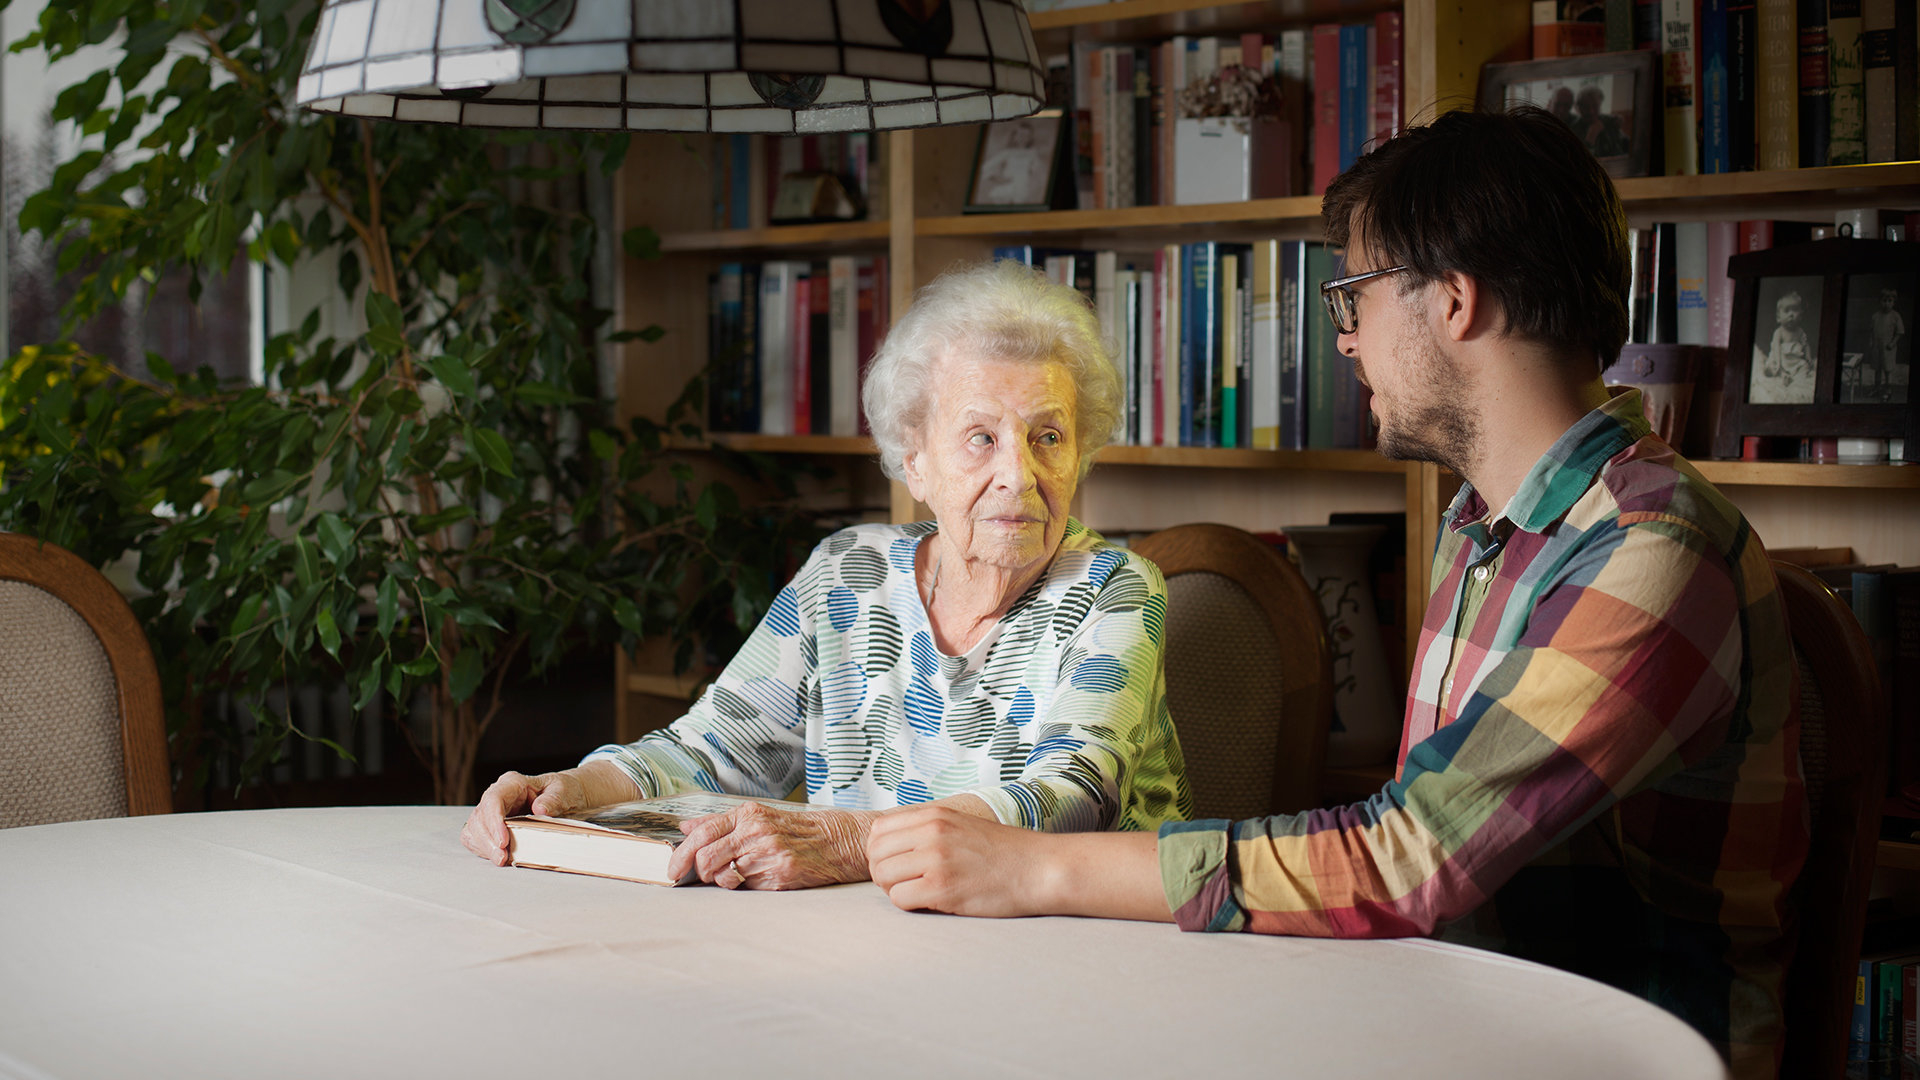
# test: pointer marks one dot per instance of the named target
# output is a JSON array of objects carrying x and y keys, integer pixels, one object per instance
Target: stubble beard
[{"x": 1435, "y": 428}]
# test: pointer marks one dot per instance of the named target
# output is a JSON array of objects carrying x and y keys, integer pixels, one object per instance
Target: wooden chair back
[
  {"x": 82, "y": 728},
  {"x": 1249, "y": 671},
  {"x": 1843, "y": 754}
]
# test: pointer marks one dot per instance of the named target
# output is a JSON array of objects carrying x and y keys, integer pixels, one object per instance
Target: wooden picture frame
[
  {"x": 1609, "y": 99},
  {"x": 1015, "y": 165},
  {"x": 1821, "y": 344}
]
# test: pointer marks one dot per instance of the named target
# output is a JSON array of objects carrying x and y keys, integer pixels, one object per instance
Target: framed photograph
[
  {"x": 1013, "y": 165},
  {"x": 1820, "y": 344},
  {"x": 1608, "y": 99}
]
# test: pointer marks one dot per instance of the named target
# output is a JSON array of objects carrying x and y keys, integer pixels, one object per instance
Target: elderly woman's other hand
[
  {"x": 757, "y": 846},
  {"x": 551, "y": 794}
]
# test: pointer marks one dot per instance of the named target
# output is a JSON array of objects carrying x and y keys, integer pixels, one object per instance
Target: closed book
[
  {"x": 1322, "y": 352},
  {"x": 1723, "y": 243},
  {"x": 1778, "y": 80},
  {"x": 1567, "y": 28},
  {"x": 1646, "y": 25},
  {"x": 1742, "y": 104},
  {"x": 1389, "y": 109},
  {"x": 1200, "y": 347},
  {"x": 747, "y": 369},
  {"x": 1860, "y": 1020},
  {"x": 870, "y": 320},
  {"x": 1640, "y": 285},
  {"x": 1716, "y": 98},
  {"x": 1326, "y": 106},
  {"x": 1175, "y": 415},
  {"x": 1619, "y": 25},
  {"x": 1265, "y": 346},
  {"x": 1690, "y": 283},
  {"x": 779, "y": 281},
  {"x": 1099, "y": 103},
  {"x": 1903, "y": 717},
  {"x": 1906, "y": 81},
  {"x": 1299, "y": 301},
  {"x": 1816, "y": 91},
  {"x": 843, "y": 347},
  {"x": 1126, "y": 289},
  {"x": 1146, "y": 348},
  {"x": 1665, "y": 292},
  {"x": 1679, "y": 59},
  {"x": 632, "y": 841},
  {"x": 1292, "y": 69},
  {"x": 1846, "y": 70},
  {"x": 1144, "y": 144},
  {"x": 1121, "y": 114},
  {"x": 1230, "y": 300},
  {"x": 1878, "y": 89},
  {"x": 1356, "y": 110}
]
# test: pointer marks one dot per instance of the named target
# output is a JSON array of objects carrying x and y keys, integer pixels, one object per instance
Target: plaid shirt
[{"x": 1599, "y": 768}]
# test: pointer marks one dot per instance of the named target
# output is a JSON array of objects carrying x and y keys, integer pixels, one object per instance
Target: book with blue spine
[
  {"x": 1199, "y": 347},
  {"x": 1716, "y": 96},
  {"x": 1356, "y": 111}
]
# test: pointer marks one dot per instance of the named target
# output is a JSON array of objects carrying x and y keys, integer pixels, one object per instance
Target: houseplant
[{"x": 414, "y": 507}]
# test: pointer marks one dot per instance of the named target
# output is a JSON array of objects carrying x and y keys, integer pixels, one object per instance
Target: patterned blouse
[{"x": 1057, "y": 718}]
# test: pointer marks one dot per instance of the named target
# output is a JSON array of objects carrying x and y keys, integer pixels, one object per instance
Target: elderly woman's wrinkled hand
[
  {"x": 764, "y": 847},
  {"x": 485, "y": 833}
]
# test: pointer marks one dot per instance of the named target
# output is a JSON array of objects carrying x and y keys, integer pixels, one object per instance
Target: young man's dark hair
[{"x": 1512, "y": 199}]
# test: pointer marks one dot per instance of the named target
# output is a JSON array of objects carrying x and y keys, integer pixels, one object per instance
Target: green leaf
[
  {"x": 329, "y": 633},
  {"x": 248, "y": 614},
  {"x": 491, "y": 449},
  {"x": 306, "y": 562},
  {"x": 704, "y": 510},
  {"x": 386, "y": 607},
  {"x": 641, "y": 242},
  {"x": 539, "y": 393},
  {"x": 467, "y": 671},
  {"x": 602, "y": 445},
  {"x": 369, "y": 685},
  {"x": 648, "y": 334},
  {"x": 336, "y": 538},
  {"x": 453, "y": 373}
]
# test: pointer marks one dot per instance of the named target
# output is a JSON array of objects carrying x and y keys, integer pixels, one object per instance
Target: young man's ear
[{"x": 1464, "y": 309}]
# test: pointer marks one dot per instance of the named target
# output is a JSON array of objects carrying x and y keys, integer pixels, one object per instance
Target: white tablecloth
[{"x": 366, "y": 942}]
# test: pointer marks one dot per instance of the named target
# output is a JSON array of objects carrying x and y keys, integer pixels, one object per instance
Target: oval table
[{"x": 366, "y": 942}]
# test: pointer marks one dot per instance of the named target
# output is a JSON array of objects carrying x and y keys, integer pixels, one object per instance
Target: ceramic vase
[{"x": 1367, "y": 707}]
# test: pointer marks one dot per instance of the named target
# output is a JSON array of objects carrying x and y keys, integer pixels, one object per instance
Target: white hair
[{"x": 1005, "y": 310}]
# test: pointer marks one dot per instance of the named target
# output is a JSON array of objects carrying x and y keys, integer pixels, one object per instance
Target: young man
[{"x": 1599, "y": 764}]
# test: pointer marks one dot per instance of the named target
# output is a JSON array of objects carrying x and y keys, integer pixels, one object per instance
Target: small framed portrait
[
  {"x": 1819, "y": 344},
  {"x": 1875, "y": 354},
  {"x": 1606, "y": 98},
  {"x": 1781, "y": 369},
  {"x": 1013, "y": 165}
]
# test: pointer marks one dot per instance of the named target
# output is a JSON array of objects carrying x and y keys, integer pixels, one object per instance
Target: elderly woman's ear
[{"x": 910, "y": 472}]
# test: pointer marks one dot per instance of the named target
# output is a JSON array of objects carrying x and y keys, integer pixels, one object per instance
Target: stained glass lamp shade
[{"x": 790, "y": 66}]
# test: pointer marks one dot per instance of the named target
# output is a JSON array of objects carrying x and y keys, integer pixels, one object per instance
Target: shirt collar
[{"x": 1565, "y": 472}]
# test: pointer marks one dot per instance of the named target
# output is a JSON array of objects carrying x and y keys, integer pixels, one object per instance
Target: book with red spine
[
  {"x": 1326, "y": 106},
  {"x": 1388, "y": 110}
]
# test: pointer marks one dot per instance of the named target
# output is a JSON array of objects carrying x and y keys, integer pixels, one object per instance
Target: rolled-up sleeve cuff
[
  {"x": 630, "y": 763},
  {"x": 1194, "y": 874}
]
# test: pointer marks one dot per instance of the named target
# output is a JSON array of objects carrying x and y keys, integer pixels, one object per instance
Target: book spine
[
  {"x": 1290, "y": 67},
  {"x": 1906, "y": 82},
  {"x": 1146, "y": 342},
  {"x": 1619, "y": 24},
  {"x": 1120, "y": 120},
  {"x": 819, "y": 330},
  {"x": 1665, "y": 328},
  {"x": 1083, "y": 156},
  {"x": 1816, "y": 92},
  {"x": 1690, "y": 283},
  {"x": 1777, "y": 78},
  {"x": 1716, "y": 98},
  {"x": 1295, "y": 308},
  {"x": 1229, "y": 292},
  {"x": 1756, "y": 235},
  {"x": 1723, "y": 242},
  {"x": 717, "y": 412},
  {"x": 1886, "y": 1003},
  {"x": 1846, "y": 70},
  {"x": 1388, "y": 109},
  {"x": 776, "y": 356},
  {"x": 800, "y": 327},
  {"x": 1266, "y": 346},
  {"x": 1320, "y": 355},
  {"x": 1099, "y": 100},
  {"x": 1860, "y": 1023},
  {"x": 1203, "y": 307},
  {"x": 1560, "y": 31},
  {"x": 1877, "y": 86},
  {"x": 844, "y": 345},
  {"x": 1903, "y": 604},
  {"x": 1742, "y": 105},
  {"x": 1356, "y": 110},
  {"x": 1646, "y": 25},
  {"x": 1679, "y": 57},
  {"x": 869, "y": 277},
  {"x": 1244, "y": 358},
  {"x": 733, "y": 341},
  {"x": 1173, "y": 408},
  {"x": 1910, "y": 1010},
  {"x": 1188, "y": 316},
  {"x": 1145, "y": 142},
  {"x": 1126, "y": 283},
  {"x": 1326, "y": 107}
]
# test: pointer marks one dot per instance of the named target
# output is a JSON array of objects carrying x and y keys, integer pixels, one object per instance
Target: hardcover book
[{"x": 631, "y": 841}]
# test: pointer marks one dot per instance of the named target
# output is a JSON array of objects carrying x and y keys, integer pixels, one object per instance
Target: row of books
[
  {"x": 745, "y": 173},
  {"x": 1768, "y": 84},
  {"x": 1886, "y": 1008},
  {"x": 1339, "y": 90},
  {"x": 1220, "y": 344},
  {"x": 788, "y": 342}
]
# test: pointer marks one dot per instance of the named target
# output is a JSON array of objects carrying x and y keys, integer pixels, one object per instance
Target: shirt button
[
  {"x": 1479, "y": 573},
  {"x": 1448, "y": 685}
]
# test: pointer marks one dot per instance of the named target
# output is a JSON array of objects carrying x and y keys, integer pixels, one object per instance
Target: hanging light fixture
[{"x": 789, "y": 66}]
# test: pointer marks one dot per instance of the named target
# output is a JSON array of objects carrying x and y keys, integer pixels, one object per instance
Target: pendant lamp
[{"x": 785, "y": 66}]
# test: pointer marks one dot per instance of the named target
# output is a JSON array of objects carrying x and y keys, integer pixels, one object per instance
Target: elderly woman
[{"x": 1001, "y": 659}]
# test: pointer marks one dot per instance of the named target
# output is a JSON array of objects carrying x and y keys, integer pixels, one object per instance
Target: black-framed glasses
[{"x": 1343, "y": 307}]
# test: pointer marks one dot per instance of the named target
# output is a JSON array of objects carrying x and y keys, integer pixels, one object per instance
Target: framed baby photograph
[
  {"x": 1820, "y": 344},
  {"x": 1014, "y": 165}
]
